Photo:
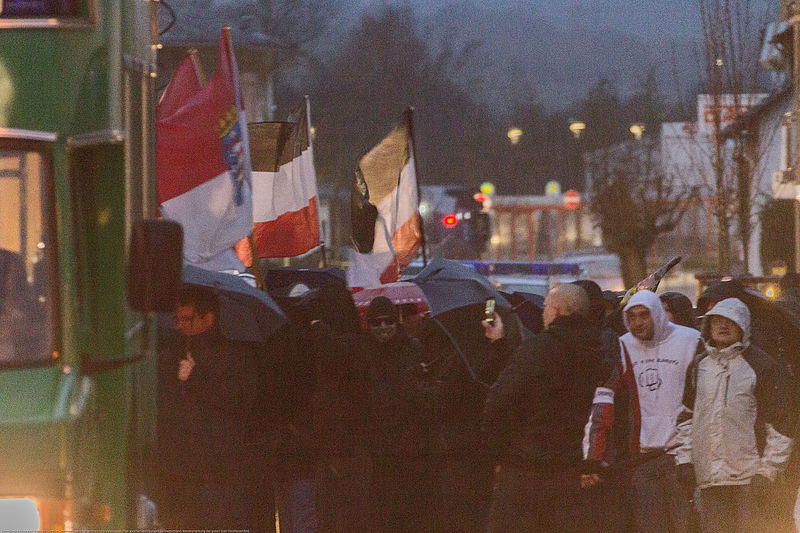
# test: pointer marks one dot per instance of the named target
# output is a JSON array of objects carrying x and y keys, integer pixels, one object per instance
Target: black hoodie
[{"x": 536, "y": 410}]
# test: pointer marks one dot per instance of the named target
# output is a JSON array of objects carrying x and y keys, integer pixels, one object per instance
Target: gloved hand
[{"x": 685, "y": 474}]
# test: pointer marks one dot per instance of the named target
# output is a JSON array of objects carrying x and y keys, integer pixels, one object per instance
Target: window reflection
[{"x": 25, "y": 311}]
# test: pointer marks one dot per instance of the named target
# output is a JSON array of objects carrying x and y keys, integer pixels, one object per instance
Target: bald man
[{"x": 535, "y": 414}]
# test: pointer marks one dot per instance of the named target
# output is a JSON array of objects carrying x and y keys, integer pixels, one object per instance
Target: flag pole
[
  {"x": 410, "y": 122},
  {"x": 319, "y": 224},
  {"x": 256, "y": 266},
  {"x": 242, "y": 117},
  {"x": 198, "y": 67}
]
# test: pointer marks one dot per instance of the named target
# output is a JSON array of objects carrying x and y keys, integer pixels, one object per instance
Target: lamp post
[
  {"x": 790, "y": 10},
  {"x": 637, "y": 130},
  {"x": 575, "y": 164}
]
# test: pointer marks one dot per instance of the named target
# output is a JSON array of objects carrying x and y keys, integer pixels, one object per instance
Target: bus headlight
[
  {"x": 28, "y": 513},
  {"x": 19, "y": 514}
]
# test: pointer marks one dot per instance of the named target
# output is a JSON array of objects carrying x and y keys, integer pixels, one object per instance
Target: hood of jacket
[
  {"x": 732, "y": 309},
  {"x": 651, "y": 301}
]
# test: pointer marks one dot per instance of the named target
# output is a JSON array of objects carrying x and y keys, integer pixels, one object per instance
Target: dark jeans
[
  {"x": 526, "y": 500},
  {"x": 726, "y": 509},
  {"x": 613, "y": 508},
  {"x": 465, "y": 485},
  {"x": 662, "y": 505},
  {"x": 404, "y": 495},
  {"x": 343, "y": 495}
]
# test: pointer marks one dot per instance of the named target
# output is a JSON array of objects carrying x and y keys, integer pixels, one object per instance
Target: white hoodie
[{"x": 659, "y": 368}]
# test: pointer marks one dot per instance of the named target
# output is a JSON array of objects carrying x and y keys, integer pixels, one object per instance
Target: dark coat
[
  {"x": 209, "y": 419},
  {"x": 536, "y": 410},
  {"x": 399, "y": 409},
  {"x": 339, "y": 407}
]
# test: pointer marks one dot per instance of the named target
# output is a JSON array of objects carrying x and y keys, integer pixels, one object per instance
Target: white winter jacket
[{"x": 729, "y": 393}]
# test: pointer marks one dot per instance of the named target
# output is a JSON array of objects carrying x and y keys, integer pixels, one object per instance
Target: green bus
[{"x": 80, "y": 258}]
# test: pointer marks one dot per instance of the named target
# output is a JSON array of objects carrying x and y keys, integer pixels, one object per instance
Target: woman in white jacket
[{"x": 733, "y": 393}]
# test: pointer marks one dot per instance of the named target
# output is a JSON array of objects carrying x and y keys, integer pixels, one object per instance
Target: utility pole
[
  {"x": 790, "y": 9},
  {"x": 724, "y": 235}
]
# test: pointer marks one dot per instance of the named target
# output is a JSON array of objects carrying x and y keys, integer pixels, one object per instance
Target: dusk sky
[
  {"x": 562, "y": 47},
  {"x": 555, "y": 49}
]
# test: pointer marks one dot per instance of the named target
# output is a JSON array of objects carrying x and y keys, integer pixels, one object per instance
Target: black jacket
[
  {"x": 536, "y": 410},
  {"x": 211, "y": 416},
  {"x": 398, "y": 402}
]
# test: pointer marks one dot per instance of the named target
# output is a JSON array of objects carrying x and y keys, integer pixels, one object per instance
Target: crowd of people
[{"x": 599, "y": 417}]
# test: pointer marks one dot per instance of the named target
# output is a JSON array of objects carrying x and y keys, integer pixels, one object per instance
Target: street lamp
[
  {"x": 577, "y": 127},
  {"x": 514, "y": 135},
  {"x": 575, "y": 165},
  {"x": 637, "y": 130}
]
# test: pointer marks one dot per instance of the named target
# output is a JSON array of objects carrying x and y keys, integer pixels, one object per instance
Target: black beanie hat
[
  {"x": 595, "y": 297},
  {"x": 381, "y": 306}
]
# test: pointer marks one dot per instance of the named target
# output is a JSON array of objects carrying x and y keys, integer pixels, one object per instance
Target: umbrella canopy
[
  {"x": 399, "y": 292},
  {"x": 408, "y": 297},
  {"x": 278, "y": 278},
  {"x": 449, "y": 285},
  {"x": 246, "y": 313},
  {"x": 456, "y": 341},
  {"x": 529, "y": 308}
]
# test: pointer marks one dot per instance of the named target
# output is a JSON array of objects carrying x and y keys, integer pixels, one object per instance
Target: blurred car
[
  {"x": 535, "y": 277},
  {"x": 598, "y": 265}
]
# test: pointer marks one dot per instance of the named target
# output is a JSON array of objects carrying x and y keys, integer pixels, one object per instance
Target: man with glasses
[
  {"x": 206, "y": 415},
  {"x": 398, "y": 410}
]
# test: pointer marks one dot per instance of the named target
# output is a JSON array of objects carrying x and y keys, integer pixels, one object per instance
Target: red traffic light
[
  {"x": 479, "y": 197},
  {"x": 450, "y": 221}
]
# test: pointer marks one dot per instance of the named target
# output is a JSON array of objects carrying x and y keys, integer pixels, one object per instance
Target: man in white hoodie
[
  {"x": 733, "y": 392},
  {"x": 655, "y": 355}
]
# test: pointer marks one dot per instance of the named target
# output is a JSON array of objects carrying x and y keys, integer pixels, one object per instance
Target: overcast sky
[
  {"x": 666, "y": 19},
  {"x": 615, "y": 39}
]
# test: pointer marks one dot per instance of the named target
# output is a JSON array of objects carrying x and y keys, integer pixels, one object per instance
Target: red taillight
[{"x": 450, "y": 221}]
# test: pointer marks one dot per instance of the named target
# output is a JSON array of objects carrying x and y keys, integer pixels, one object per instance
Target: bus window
[
  {"x": 26, "y": 258},
  {"x": 38, "y": 8}
]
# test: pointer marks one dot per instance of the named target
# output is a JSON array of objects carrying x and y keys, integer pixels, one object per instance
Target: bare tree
[
  {"x": 276, "y": 24},
  {"x": 731, "y": 40},
  {"x": 634, "y": 201}
]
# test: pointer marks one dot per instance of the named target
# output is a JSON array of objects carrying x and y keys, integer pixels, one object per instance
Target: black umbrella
[
  {"x": 529, "y": 308},
  {"x": 246, "y": 313},
  {"x": 450, "y": 285},
  {"x": 282, "y": 278}
]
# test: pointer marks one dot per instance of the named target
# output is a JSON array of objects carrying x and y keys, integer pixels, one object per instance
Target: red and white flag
[
  {"x": 386, "y": 179},
  {"x": 285, "y": 219},
  {"x": 203, "y": 161}
]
